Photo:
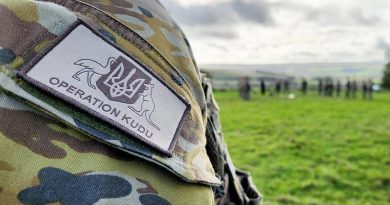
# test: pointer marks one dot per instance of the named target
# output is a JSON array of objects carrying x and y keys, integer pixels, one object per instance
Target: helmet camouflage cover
[{"x": 57, "y": 150}]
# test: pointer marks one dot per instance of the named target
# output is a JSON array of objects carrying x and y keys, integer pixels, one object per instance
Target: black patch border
[{"x": 30, "y": 65}]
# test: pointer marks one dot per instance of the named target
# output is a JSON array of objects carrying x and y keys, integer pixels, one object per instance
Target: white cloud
[{"x": 284, "y": 31}]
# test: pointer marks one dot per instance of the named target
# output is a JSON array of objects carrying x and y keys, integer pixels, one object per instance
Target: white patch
[
  {"x": 115, "y": 142},
  {"x": 90, "y": 73}
]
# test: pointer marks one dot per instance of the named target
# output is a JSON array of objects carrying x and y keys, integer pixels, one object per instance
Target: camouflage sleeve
[
  {"x": 51, "y": 152},
  {"x": 45, "y": 161},
  {"x": 237, "y": 186}
]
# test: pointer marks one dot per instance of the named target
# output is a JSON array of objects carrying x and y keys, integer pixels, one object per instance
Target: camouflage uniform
[{"x": 51, "y": 152}]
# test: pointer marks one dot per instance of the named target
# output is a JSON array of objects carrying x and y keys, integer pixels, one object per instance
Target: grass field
[{"x": 311, "y": 150}]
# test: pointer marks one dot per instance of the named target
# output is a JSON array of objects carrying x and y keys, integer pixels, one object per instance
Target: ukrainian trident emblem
[{"x": 121, "y": 81}]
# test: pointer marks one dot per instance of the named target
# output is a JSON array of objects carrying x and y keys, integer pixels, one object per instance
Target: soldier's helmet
[{"x": 101, "y": 102}]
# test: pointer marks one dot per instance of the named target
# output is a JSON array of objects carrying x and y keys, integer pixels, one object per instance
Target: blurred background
[{"x": 302, "y": 87}]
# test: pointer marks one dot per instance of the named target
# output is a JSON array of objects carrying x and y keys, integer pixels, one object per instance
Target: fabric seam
[{"x": 118, "y": 23}]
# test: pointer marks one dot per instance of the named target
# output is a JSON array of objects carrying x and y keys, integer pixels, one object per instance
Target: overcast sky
[{"x": 284, "y": 31}]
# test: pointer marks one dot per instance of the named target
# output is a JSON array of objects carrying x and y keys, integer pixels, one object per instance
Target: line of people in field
[{"x": 325, "y": 87}]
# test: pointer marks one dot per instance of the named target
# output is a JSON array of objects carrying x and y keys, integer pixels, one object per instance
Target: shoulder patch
[{"x": 88, "y": 71}]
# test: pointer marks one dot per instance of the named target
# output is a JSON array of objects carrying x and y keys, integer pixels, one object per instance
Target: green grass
[{"x": 311, "y": 150}]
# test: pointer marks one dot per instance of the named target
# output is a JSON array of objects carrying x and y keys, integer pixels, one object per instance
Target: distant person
[
  {"x": 348, "y": 88},
  {"x": 245, "y": 88},
  {"x": 338, "y": 88},
  {"x": 370, "y": 89},
  {"x": 286, "y": 86},
  {"x": 329, "y": 88},
  {"x": 304, "y": 86},
  {"x": 364, "y": 89},
  {"x": 320, "y": 86},
  {"x": 354, "y": 87},
  {"x": 326, "y": 88},
  {"x": 278, "y": 87},
  {"x": 263, "y": 87}
]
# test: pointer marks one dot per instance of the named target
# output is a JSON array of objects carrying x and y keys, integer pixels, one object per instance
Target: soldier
[
  {"x": 331, "y": 87},
  {"x": 338, "y": 88},
  {"x": 348, "y": 88},
  {"x": 263, "y": 87},
  {"x": 103, "y": 103},
  {"x": 286, "y": 86},
  {"x": 354, "y": 88},
  {"x": 245, "y": 88},
  {"x": 364, "y": 90},
  {"x": 278, "y": 87},
  {"x": 320, "y": 86},
  {"x": 304, "y": 86}
]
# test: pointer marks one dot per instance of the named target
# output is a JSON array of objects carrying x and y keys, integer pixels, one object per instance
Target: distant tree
[{"x": 386, "y": 77}]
